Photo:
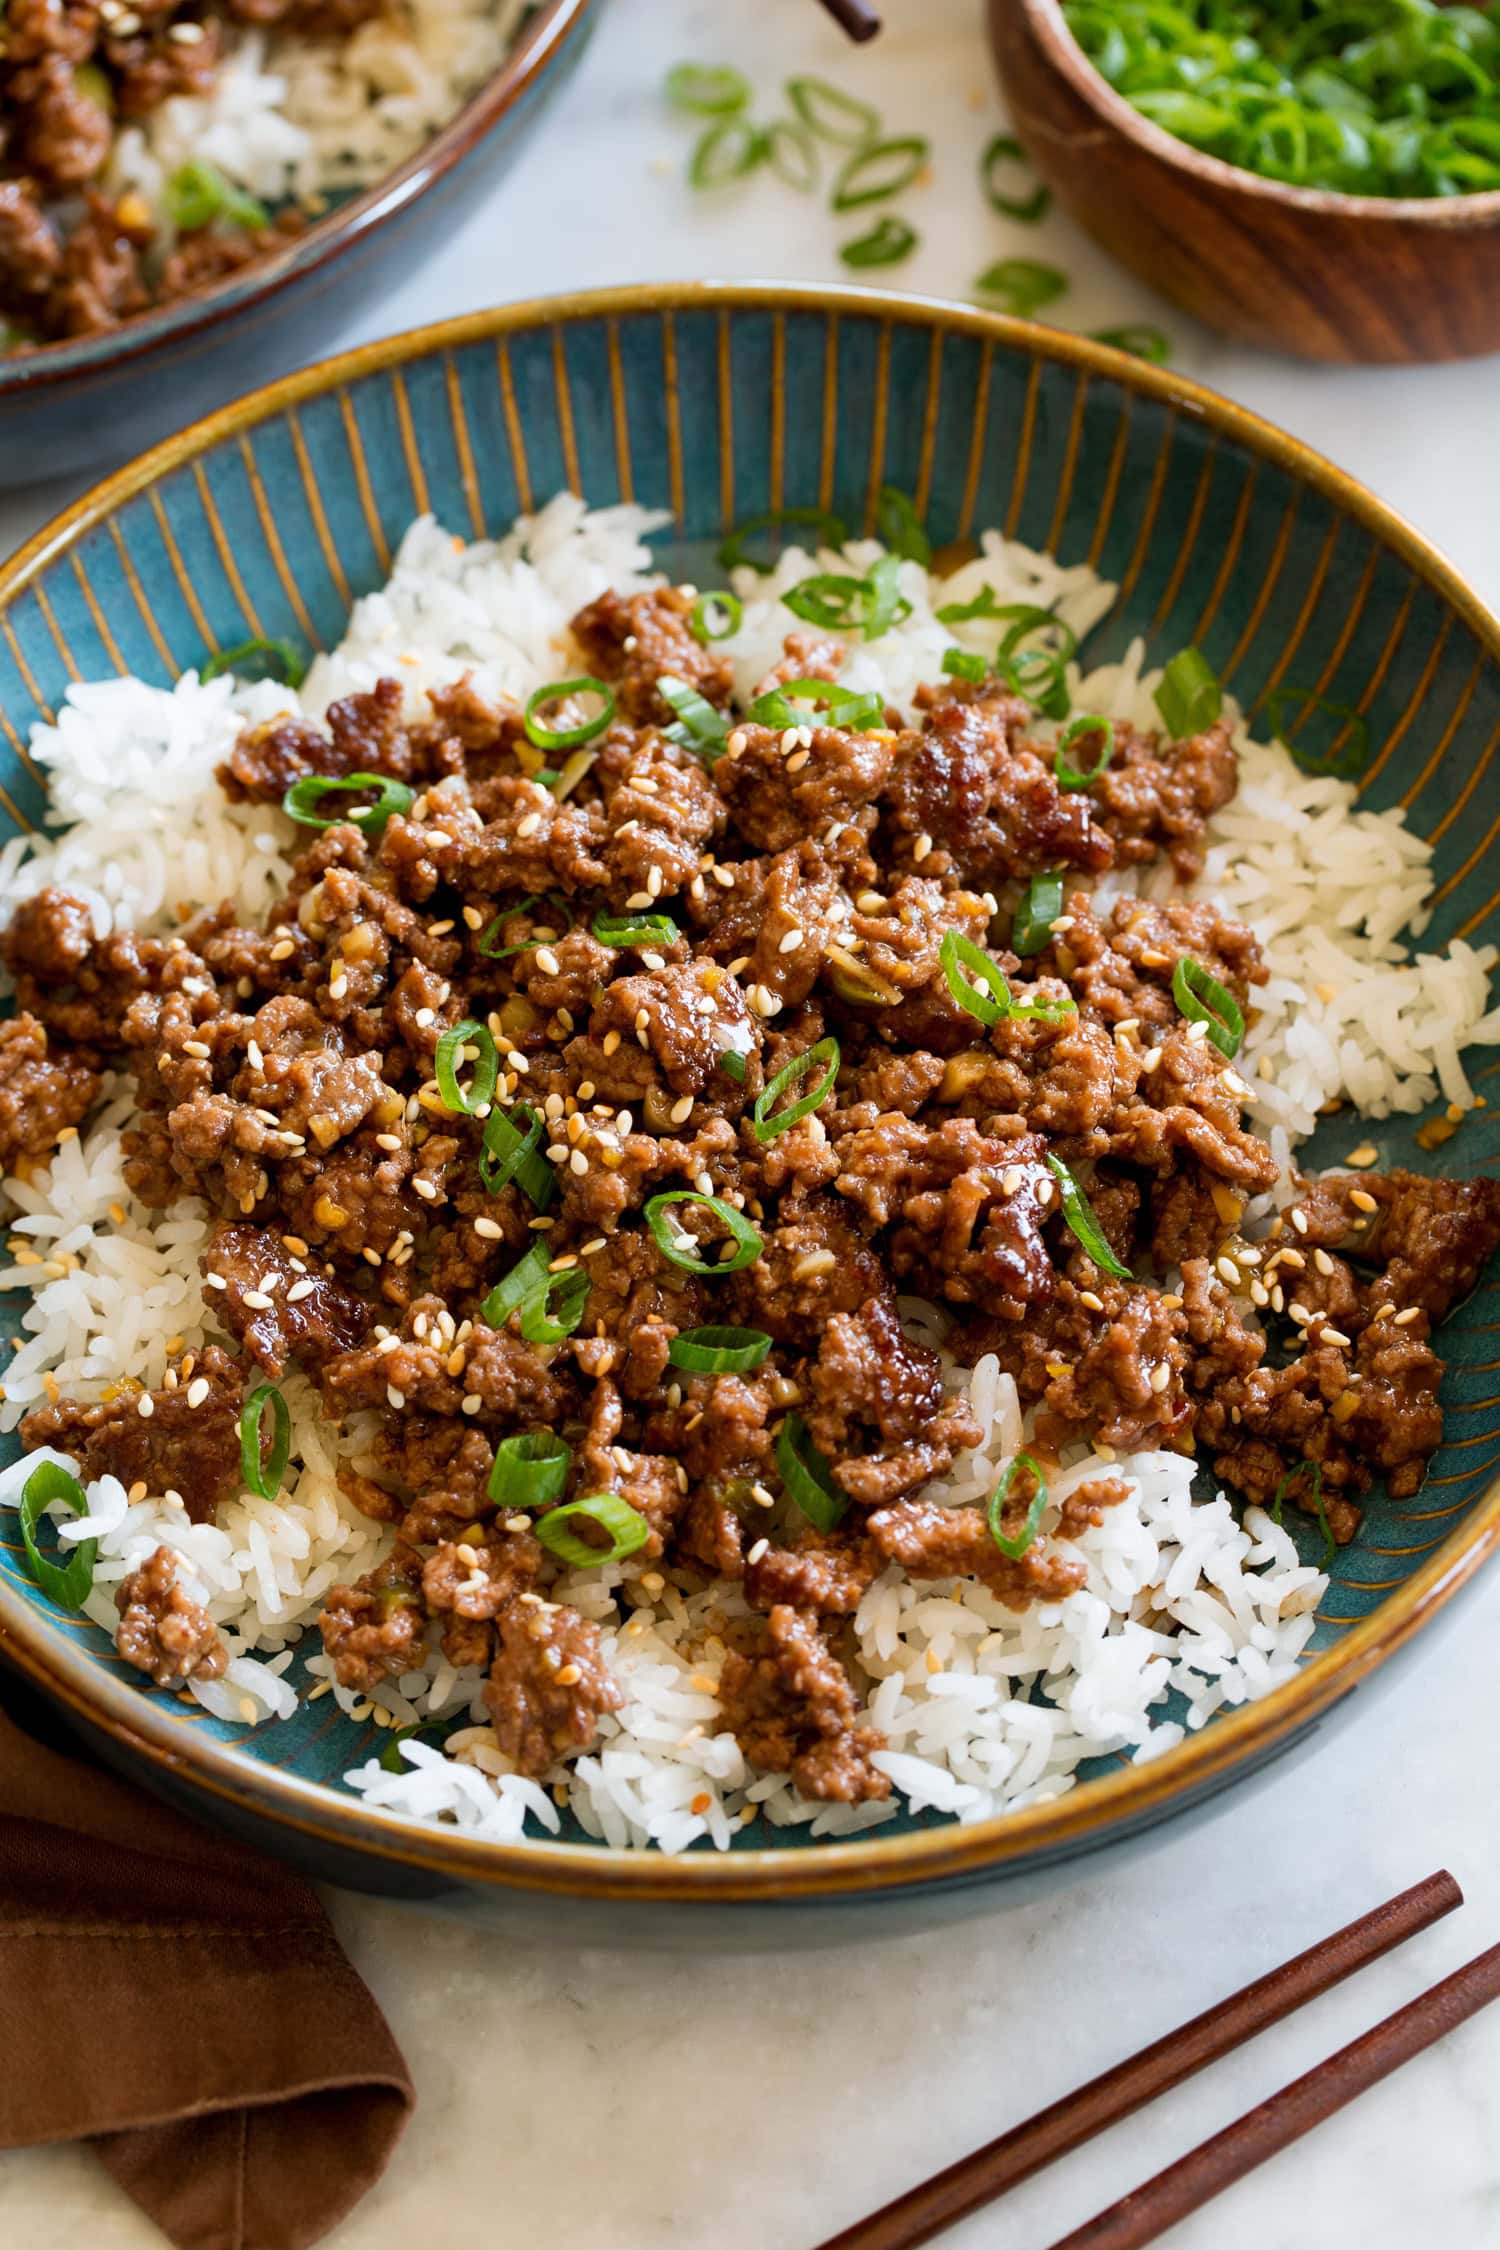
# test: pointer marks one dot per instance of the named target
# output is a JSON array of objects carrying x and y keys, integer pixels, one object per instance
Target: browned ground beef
[
  {"x": 73, "y": 259},
  {"x": 164, "y": 1633},
  {"x": 286, "y": 1075}
]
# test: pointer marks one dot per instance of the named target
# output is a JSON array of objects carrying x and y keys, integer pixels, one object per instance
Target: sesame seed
[
  {"x": 1364, "y": 1156},
  {"x": 1012, "y": 1179},
  {"x": 790, "y": 942},
  {"x": 1363, "y": 1200},
  {"x": 1090, "y": 1298},
  {"x": 196, "y": 1047},
  {"x": 1161, "y": 1375},
  {"x": 682, "y": 1110},
  {"x": 1410, "y": 1313},
  {"x": 1299, "y": 1220},
  {"x": 547, "y": 961},
  {"x": 427, "y": 1189},
  {"x": 736, "y": 743},
  {"x": 197, "y": 1390},
  {"x": 214, "y": 1281},
  {"x": 283, "y": 949},
  {"x": 724, "y": 877},
  {"x": 798, "y": 760},
  {"x": 530, "y": 825},
  {"x": 921, "y": 847},
  {"x": 1228, "y": 1271},
  {"x": 1322, "y": 1261},
  {"x": 578, "y": 1162},
  {"x": 145, "y": 1406},
  {"x": 654, "y": 879},
  {"x": 472, "y": 1403},
  {"x": 390, "y": 1142},
  {"x": 396, "y": 1398},
  {"x": 301, "y": 1289},
  {"x": 637, "y": 900},
  {"x": 1299, "y": 1312},
  {"x": 257, "y": 1300}
]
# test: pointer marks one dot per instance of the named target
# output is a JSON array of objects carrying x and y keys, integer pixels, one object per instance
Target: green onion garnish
[
  {"x": 1079, "y": 1213},
  {"x": 1314, "y": 1469},
  {"x": 989, "y": 998},
  {"x": 198, "y": 193},
  {"x": 304, "y": 795},
  {"x": 635, "y": 929},
  {"x": 871, "y": 605},
  {"x": 727, "y": 152},
  {"x": 707, "y": 89},
  {"x": 1351, "y": 761},
  {"x": 494, "y": 952},
  {"x": 792, "y": 155},
  {"x": 807, "y": 1476},
  {"x": 259, "y": 659},
  {"x": 1140, "y": 339},
  {"x": 627, "y": 1528},
  {"x": 830, "y": 530},
  {"x": 984, "y": 604},
  {"x": 510, "y": 1152},
  {"x": 451, "y": 1052},
  {"x": 1005, "y": 154},
  {"x": 1202, "y": 999},
  {"x": 880, "y": 169},
  {"x": 699, "y": 726},
  {"x": 995, "y": 1512},
  {"x": 719, "y": 1351},
  {"x": 831, "y": 113},
  {"x": 716, "y": 616},
  {"x": 265, "y": 1479},
  {"x": 886, "y": 243},
  {"x": 900, "y": 526},
  {"x": 668, "y": 1239},
  {"x": 529, "y": 1288},
  {"x": 1020, "y": 285},
  {"x": 391, "y": 1760},
  {"x": 529, "y": 1470},
  {"x": 732, "y": 1063},
  {"x": 1189, "y": 697},
  {"x": 964, "y": 664},
  {"x": 558, "y": 691},
  {"x": 1070, "y": 776},
  {"x": 764, "y": 1125},
  {"x": 1038, "y": 910},
  {"x": 831, "y": 704},
  {"x": 68, "y": 1584}
]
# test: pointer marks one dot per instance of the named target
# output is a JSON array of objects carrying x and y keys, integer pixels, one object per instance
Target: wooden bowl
[{"x": 1326, "y": 276}]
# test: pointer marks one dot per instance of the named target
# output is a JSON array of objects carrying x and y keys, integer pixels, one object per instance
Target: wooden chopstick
[
  {"x": 1147, "y": 2212},
  {"x": 990, "y": 2171},
  {"x": 856, "y": 17}
]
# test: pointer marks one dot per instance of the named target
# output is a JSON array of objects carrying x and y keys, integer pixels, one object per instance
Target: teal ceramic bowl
[{"x": 716, "y": 403}]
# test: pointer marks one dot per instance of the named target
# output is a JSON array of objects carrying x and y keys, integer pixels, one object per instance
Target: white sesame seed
[
  {"x": 427, "y": 1189},
  {"x": 214, "y": 1281},
  {"x": 472, "y": 1403},
  {"x": 578, "y": 1162},
  {"x": 1408, "y": 1315},
  {"x": 1299, "y": 1221},
  {"x": 530, "y": 825},
  {"x": 145, "y": 1406},
  {"x": 257, "y": 1300},
  {"x": 921, "y": 847},
  {"x": 1161, "y": 1375},
  {"x": 790, "y": 942},
  {"x": 637, "y": 902},
  {"x": 547, "y": 961},
  {"x": 396, "y": 1398},
  {"x": 682, "y": 1110},
  {"x": 301, "y": 1289},
  {"x": 197, "y": 1390},
  {"x": 1228, "y": 1271},
  {"x": 797, "y": 760},
  {"x": 761, "y": 1547},
  {"x": 654, "y": 880}
]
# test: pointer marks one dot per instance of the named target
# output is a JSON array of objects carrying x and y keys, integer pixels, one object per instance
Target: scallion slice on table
[
  {"x": 1038, "y": 910},
  {"x": 1004, "y": 170},
  {"x": 1140, "y": 339},
  {"x": 68, "y": 1584},
  {"x": 1314, "y": 1471},
  {"x": 626, "y": 1528},
  {"x": 1020, "y": 285},
  {"x": 259, "y": 659},
  {"x": 886, "y": 243},
  {"x": 670, "y": 1238},
  {"x": 1189, "y": 696},
  {"x": 1016, "y": 1547},
  {"x": 766, "y": 1120},
  {"x": 727, "y": 152},
  {"x": 198, "y": 193},
  {"x": 880, "y": 169},
  {"x": 792, "y": 155},
  {"x": 719, "y": 1351},
  {"x": 1202, "y": 999},
  {"x": 716, "y": 616},
  {"x": 807, "y": 1475},
  {"x": 1071, "y": 776},
  {"x": 831, "y": 113},
  {"x": 1079, "y": 1213},
  {"x": 512, "y": 1151},
  {"x": 304, "y": 797},
  {"x": 484, "y": 944},
  {"x": 530, "y": 1470},
  {"x": 561, "y": 691},
  {"x": 830, "y": 529},
  {"x": 264, "y": 1477},
  {"x": 461, "y": 1043},
  {"x": 707, "y": 89}
]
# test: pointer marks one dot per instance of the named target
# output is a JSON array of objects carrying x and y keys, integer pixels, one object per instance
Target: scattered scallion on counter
[
  {"x": 999, "y": 167},
  {"x": 707, "y": 89},
  {"x": 1020, "y": 286},
  {"x": 887, "y": 243},
  {"x": 1139, "y": 338},
  {"x": 727, "y": 152},
  {"x": 68, "y": 1584},
  {"x": 831, "y": 113},
  {"x": 792, "y": 155},
  {"x": 880, "y": 170},
  {"x": 1016, "y": 1547}
]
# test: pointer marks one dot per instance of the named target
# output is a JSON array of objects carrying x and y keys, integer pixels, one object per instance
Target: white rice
[
  {"x": 291, "y": 118},
  {"x": 983, "y": 1710}
]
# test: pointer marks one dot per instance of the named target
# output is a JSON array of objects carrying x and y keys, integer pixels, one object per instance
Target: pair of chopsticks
[
  {"x": 1207, "y": 2170},
  {"x": 855, "y": 16}
]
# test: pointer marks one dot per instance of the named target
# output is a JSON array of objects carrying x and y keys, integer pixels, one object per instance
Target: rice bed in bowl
[{"x": 1186, "y": 1602}]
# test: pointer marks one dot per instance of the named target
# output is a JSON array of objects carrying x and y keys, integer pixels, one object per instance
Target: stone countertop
[{"x": 597, "y": 2101}]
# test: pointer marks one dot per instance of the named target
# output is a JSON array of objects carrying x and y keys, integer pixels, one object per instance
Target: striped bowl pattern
[{"x": 716, "y": 403}]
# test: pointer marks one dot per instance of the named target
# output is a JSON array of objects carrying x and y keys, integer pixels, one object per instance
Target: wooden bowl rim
[
  {"x": 874, "y": 1865},
  {"x": 1068, "y": 60},
  {"x": 532, "y": 51}
]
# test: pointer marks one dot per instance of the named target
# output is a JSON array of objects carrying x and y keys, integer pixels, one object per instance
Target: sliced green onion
[
  {"x": 747, "y": 1243},
  {"x": 1314, "y": 1469},
  {"x": 841, "y": 706},
  {"x": 1140, "y": 339},
  {"x": 716, "y": 616},
  {"x": 529, "y": 1288},
  {"x": 707, "y": 89},
  {"x": 511, "y": 1152},
  {"x": 494, "y": 952},
  {"x": 726, "y": 152},
  {"x": 764, "y": 1125},
  {"x": 732, "y": 1063},
  {"x": 558, "y": 691},
  {"x": 529, "y": 1470},
  {"x": 900, "y": 526},
  {"x": 1079, "y": 1213},
  {"x": 627, "y": 1528},
  {"x": 1020, "y": 285},
  {"x": 635, "y": 929},
  {"x": 792, "y": 155},
  {"x": 448, "y": 1057},
  {"x": 1070, "y": 776},
  {"x": 1005, "y": 151},
  {"x": 984, "y": 604},
  {"x": 886, "y": 243},
  {"x": 807, "y": 1476},
  {"x": 265, "y": 1479},
  {"x": 1189, "y": 697},
  {"x": 888, "y": 605},
  {"x": 699, "y": 726},
  {"x": 964, "y": 664},
  {"x": 963, "y": 963},
  {"x": 880, "y": 169},
  {"x": 391, "y": 1760},
  {"x": 259, "y": 659},
  {"x": 1038, "y": 910},
  {"x": 995, "y": 1512},
  {"x": 719, "y": 1351},
  {"x": 870, "y": 605},
  {"x": 198, "y": 193},
  {"x": 94, "y": 86},
  {"x": 304, "y": 795},
  {"x": 830, "y": 529},
  {"x": 68, "y": 1584},
  {"x": 1202, "y": 999},
  {"x": 1352, "y": 759},
  {"x": 831, "y": 113}
]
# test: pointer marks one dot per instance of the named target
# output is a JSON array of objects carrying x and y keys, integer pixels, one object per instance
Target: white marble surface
[{"x": 595, "y": 2101}]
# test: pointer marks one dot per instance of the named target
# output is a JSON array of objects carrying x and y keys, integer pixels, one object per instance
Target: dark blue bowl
[
  {"x": 100, "y": 398},
  {"x": 716, "y": 403}
]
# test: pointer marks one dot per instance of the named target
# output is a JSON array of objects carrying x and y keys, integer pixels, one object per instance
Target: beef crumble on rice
[{"x": 646, "y": 948}]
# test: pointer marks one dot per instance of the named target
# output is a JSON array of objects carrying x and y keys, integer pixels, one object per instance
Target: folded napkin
[{"x": 183, "y": 2006}]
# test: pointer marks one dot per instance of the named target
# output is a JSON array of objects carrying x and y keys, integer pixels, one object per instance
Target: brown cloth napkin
[{"x": 182, "y": 2005}]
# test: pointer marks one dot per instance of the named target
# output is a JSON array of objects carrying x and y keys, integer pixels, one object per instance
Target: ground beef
[
  {"x": 44, "y": 1091},
  {"x": 162, "y": 1631},
  {"x": 280, "y": 1306},
  {"x": 184, "y": 1438},
  {"x": 549, "y": 1684},
  {"x": 792, "y": 1707},
  {"x": 375, "y": 1629}
]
